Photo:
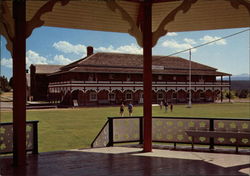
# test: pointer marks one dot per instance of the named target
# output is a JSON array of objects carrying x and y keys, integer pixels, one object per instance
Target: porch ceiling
[{"x": 95, "y": 15}]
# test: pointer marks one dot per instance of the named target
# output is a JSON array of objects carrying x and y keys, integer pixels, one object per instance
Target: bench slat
[{"x": 218, "y": 134}]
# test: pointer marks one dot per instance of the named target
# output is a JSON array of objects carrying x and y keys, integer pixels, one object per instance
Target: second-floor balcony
[{"x": 138, "y": 83}]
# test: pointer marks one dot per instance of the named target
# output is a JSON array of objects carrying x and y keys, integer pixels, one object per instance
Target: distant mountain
[{"x": 244, "y": 76}]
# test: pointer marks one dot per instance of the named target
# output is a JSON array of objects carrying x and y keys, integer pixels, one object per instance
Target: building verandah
[{"x": 115, "y": 96}]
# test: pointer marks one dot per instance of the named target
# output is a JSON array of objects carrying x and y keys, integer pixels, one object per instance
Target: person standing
[
  {"x": 161, "y": 104},
  {"x": 171, "y": 107},
  {"x": 122, "y": 109},
  {"x": 130, "y": 109}
]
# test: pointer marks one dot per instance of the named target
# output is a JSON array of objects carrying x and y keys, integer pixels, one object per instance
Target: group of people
[
  {"x": 130, "y": 109},
  {"x": 165, "y": 104}
]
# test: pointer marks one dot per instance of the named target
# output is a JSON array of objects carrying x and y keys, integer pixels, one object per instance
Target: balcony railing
[
  {"x": 172, "y": 130},
  {"x": 6, "y": 137},
  {"x": 136, "y": 83}
]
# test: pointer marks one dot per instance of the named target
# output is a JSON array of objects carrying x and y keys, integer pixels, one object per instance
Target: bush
[
  {"x": 229, "y": 95},
  {"x": 4, "y": 84},
  {"x": 244, "y": 93}
]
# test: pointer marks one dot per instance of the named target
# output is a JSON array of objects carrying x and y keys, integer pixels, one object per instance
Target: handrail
[
  {"x": 34, "y": 139},
  {"x": 117, "y": 134}
]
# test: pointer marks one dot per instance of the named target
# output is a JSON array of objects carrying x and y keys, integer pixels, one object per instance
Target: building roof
[
  {"x": 46, "y": 69},
  {"x": 133, "y": 63}
]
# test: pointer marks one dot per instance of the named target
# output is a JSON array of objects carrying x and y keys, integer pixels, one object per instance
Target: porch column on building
[
  {"x": 147, "y": 74},
  {"x": 19, "y": 83},
  {"x": 221, "y": 94}
]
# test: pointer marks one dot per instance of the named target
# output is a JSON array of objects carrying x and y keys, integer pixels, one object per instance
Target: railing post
[
  {"x": 141, "y": 130},
  {"x": 211, "y": 139},
  {"x": 35, "y": 138},
  {"x": 111, "y": 134}
]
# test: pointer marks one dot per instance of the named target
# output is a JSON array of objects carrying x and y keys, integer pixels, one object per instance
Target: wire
[{"x": 198, "y": 46}]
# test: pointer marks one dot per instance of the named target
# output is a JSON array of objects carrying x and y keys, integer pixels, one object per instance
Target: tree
[
  {"x": 4, "y": 84},
  {"x": 229, "y": 94},
  {"x": 244, "y": 93},
  {"x": 11, "y": 82}
]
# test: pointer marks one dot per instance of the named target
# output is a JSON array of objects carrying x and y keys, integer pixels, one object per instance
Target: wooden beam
[
  {"x": 19, "y": 83},
  {"x": 147, "y": 74}
]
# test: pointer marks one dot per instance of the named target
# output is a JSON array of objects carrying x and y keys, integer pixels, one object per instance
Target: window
[
  {"x": 112, "y": 96},
  {"x": 174, "y": 95},
  {"x": 160, "y": 96},
  {"x": 111, "y": 76},
  {"x": 91, "y": 77},
  {"x": 128, "y": 96},
  {"x": 160, "y": 77},
  {"x": 128, "y": 78},
  {"x": 174, "y": 78},
  {"x": 92, "y": 96},
  {"x": 202, "y": 94},
  {"x": 201, "y": 79}
]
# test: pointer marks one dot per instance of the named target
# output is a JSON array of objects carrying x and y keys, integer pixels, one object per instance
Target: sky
[{"x": 60, "y": 46}]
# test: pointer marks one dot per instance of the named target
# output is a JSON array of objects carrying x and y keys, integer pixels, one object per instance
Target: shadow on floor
[{"x": 74, "y": 163}]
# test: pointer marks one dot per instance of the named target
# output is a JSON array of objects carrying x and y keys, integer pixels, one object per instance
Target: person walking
[
  {"x": 122, "y": 109},
  {"x": 166, "y": 106},
  {"x": 130, "y": 109}
]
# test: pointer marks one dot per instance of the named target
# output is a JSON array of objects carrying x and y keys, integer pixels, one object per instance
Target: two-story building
[{"x": 112, "y": 78}]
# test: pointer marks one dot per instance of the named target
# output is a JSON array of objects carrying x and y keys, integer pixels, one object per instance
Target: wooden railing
[
  {"x": 77, "y": 83},
  {"x": 6, "y": 137},
  {"x": 172, "y": 130}
]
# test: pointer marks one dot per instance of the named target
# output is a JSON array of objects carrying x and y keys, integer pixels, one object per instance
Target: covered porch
[{"x": 145, "y": 20}]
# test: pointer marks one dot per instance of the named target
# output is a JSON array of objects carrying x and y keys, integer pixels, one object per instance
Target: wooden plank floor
[{"x": 124, "y": 161}]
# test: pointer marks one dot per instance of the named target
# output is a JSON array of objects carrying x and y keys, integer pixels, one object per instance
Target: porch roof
[{"x": 96, "y": 15}]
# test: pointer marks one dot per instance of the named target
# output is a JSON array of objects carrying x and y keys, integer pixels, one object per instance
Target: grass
[{"x": 62, "y": 129}]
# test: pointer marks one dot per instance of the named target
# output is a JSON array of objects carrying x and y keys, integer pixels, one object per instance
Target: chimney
[{"x": 89, "y": 50}]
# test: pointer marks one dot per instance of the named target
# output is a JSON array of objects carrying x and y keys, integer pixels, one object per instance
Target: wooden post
[
  {"x": 19, "y": 83},
  {"x": 147, "y": 74}
]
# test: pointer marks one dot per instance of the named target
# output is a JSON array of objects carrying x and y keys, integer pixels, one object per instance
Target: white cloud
[
  {"x": 190, "y": 41},
  {"x": 130, "y": 49},
  {"x": 172, "y": 34},
  {"x": 34, "y": 58},
  {"x": 177, "y": 46},
  {"x": 208, "y": 38},
  {"x": 61, "y": 60},
  {"x": 6, "y": 62},
  {"x": 31, "y": 58},
  {"x": 67, "y": 47}
]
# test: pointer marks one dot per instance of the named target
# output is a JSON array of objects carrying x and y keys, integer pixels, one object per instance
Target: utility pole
[{"x": 190, "y": 81}]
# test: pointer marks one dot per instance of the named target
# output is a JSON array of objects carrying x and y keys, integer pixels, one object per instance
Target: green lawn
[{"x": 76, "y": 128}]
